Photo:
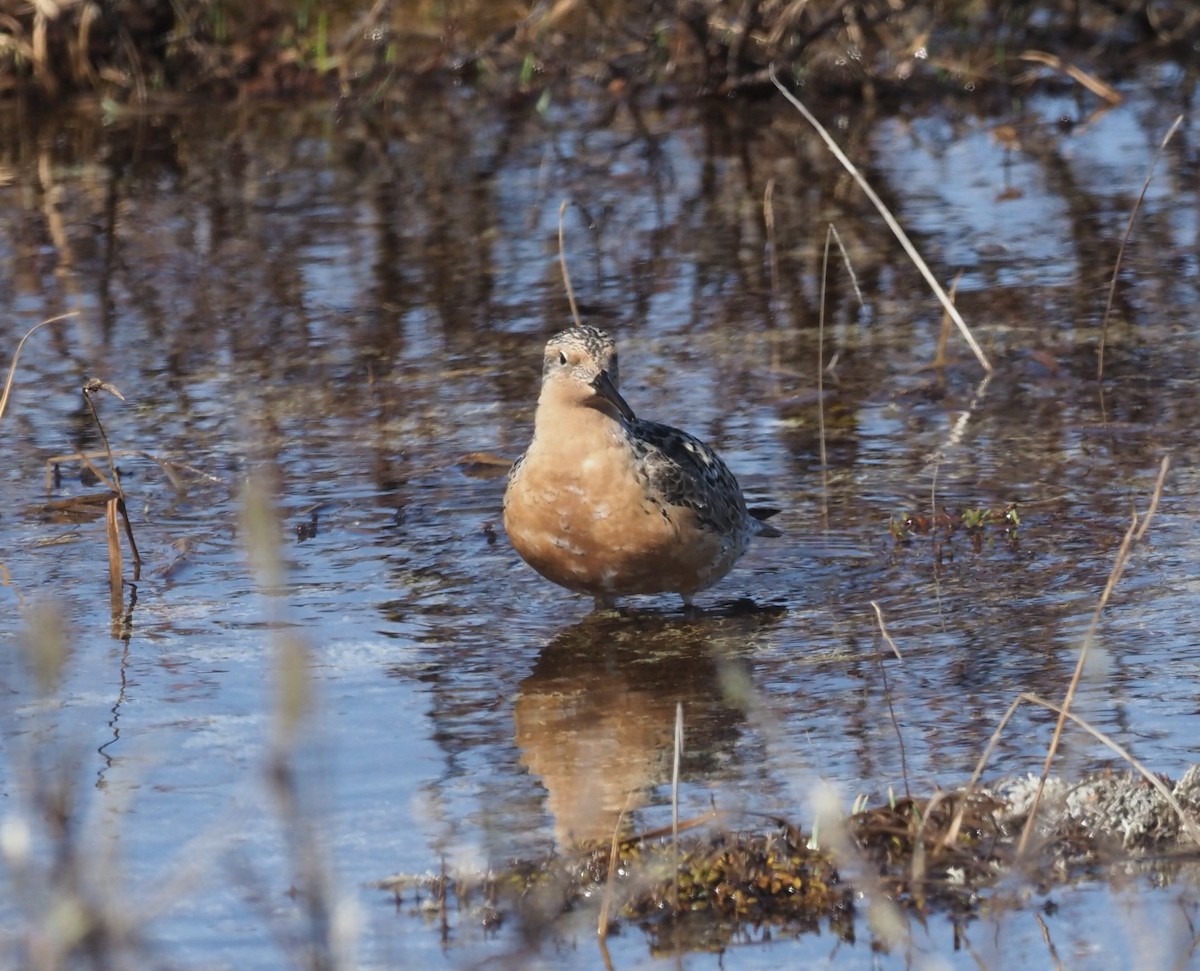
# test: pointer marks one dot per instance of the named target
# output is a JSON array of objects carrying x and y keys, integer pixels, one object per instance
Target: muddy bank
[{"x": 144, "y": 51}]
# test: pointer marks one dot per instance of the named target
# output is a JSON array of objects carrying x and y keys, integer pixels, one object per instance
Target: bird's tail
[{"x": 760, "y": 515}]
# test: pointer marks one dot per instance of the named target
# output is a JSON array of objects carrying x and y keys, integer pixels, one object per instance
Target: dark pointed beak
[{"x": 603, "y": 386}]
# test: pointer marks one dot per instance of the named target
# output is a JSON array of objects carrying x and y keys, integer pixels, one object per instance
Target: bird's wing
[{"x": 684, "y": 472}]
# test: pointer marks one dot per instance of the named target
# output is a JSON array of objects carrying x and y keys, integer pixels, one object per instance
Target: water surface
[{"x": 346, "y": 313}]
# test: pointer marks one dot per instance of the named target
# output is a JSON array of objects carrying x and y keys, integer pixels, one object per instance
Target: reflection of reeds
[
  {"x": 321, "y": 941},
  {"x": 59, "y": 858},
  {"x": 892, "y": 224},
  {"x": 61, "y": 868},
  {"x": 1112, "y": 287}
]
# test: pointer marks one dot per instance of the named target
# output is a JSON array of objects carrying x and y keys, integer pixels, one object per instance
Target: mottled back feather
[{"x": 687, "y": 473}]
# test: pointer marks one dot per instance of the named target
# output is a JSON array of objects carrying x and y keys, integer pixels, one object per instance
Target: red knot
[{"x": 608, "y": 504}]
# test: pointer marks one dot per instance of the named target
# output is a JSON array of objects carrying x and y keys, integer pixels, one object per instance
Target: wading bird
[{"x": 607, "y": 504}]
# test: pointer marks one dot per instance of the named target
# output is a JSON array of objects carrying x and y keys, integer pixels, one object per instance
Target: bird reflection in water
[{"x": 595, "y": 719}]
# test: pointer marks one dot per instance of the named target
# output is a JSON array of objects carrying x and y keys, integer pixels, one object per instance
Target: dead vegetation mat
[{"x": 941, "y": 854}]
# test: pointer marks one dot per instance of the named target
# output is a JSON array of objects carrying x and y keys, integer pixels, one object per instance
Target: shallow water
[{"x": 290, "y": 297}]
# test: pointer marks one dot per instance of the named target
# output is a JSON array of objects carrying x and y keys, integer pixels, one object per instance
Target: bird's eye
[{"x": 562, "y": 358}]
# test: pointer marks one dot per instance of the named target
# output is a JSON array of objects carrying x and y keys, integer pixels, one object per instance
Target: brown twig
[
  {"x": 167, "y": 466},
  {"x": 114, "y": 556},
  {"x": 1049, "y": 942},
  {"x": 93, "y": 385},
  {"x": 1076, "y": 74}
]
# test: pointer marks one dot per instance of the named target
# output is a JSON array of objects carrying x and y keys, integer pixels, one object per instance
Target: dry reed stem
[
  {"x": 888, "y": 218},
  {"x": 562, "y": 261},
  {"x": 858, "y": 294},
  {"x": 821, "y": 352},
  {"x": 12, "y": 368},
  {"x": 95, "y": 384},
  {"x": 883, "y": 631},
  {"x": 958, "y": 430},
  {"x": 952, "y": 831},
  {"x": 1154, "y": 497},
  {"x": 114, "y": 554},
  {"x": 887, "y": 694},
  {"x": 613, "y": 855},
  {"x": 685, "y": 825},
  {"x": 167, "y": 467},
  {"x": 675, "y": 803},
  {"x": 1058, "y": 965},
  {"x": 918, "y": 867},
  {"x": 822, "y": 367},
  {"x": 92, "y": 385},
  {"x": 951, "y": 834},
  {"x": 1076, "y": 74},
  {"x": 840, "y": 847},
  {"x": 137, "y": 557},
  {"x": 1112, "y": 285},
  {"x": 939, "y": 356},
  {"x": 833, "y": 234},
  {"x": 605, "y": 956},
  {"x": 1184, "y": 816},
  {"x": 1132, "y": 533},
  {"x": 320, "y": 942}
]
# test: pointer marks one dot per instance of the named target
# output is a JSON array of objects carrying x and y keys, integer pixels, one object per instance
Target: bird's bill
[{"x": 603, "y": 386}]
